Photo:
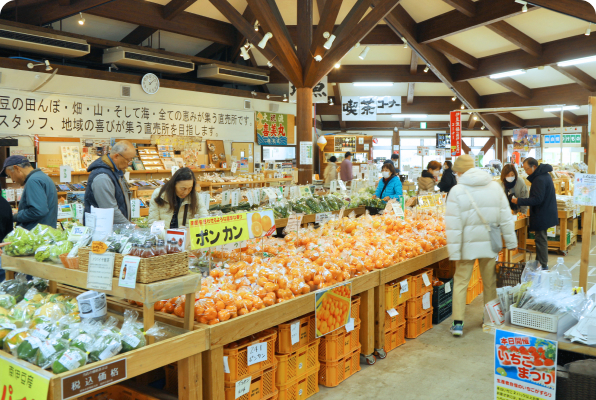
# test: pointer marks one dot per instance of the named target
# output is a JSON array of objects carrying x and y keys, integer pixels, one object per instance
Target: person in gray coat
[
  {"x": 514, "y": 186},
  {"x": 39, "y": 201}
]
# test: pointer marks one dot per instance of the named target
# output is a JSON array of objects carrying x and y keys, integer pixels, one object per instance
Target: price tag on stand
[
  {"x": 256, "y": 353},
  {"x": 204, "y": 199},
  {"x": 342, "y": 212},
  {"x": 234, "y": 167},
  {"x": 342, "y": 185},
  {"x": 10, "y": 195},
  {"x": 333, "y": 187},
  {"x": 294, "y": 192},
  {"x": 294, "y": 222},
  {"x": 295, "y": 332},
  {"x": 225, "y": 197},
  {"x": 65, "y": 173},
  {"x": 135, "y": 208},
  {"x": 249, "y": 197},
  {"x": 100, "y": 271},
  {"x": 399, "y": 212},
  {"x": 128, "y": 272},
  {"x": 235, "y": 197},
  {"x": 321, "y": 218},
  {"x": 271, "y": 193}
]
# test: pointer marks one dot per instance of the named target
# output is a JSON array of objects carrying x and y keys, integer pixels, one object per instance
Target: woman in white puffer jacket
[{"x": 468, "y": 239}]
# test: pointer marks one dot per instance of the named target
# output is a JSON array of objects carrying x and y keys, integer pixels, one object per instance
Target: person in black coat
[
  {"x": 5, "y": 225},
  {"x": 543, "y": 205},
  {"x": 448, "y": 179}
]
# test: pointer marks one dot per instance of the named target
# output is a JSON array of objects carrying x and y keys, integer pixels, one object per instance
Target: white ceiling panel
[
  {"x": 544, "y": 26},
  {"x": 398, "y": 89},
  {"x": 421, "y": 10},
  {"x": 481, "y": 42},
  {"x": 379, "y": 55},
  {"x": 536, "y": 78},
  {"x": 486, "y": 86},
  {"x": 98, "y": 27},
  {"x": 431, "y": 89}
]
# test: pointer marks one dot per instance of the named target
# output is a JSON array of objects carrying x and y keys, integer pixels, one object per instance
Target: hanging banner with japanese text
[
  {"x": 455, "y": 125},
  {"x": 525, "y": 367},
  {"x": 19, "y": 382},
  {"x": 272, "y": 129},
  {"x": 319, "y": 92},
  {"x": 47, "y": 114},
  {"x": 523, "y": 141},
  {"x": 366, "y": 108}
]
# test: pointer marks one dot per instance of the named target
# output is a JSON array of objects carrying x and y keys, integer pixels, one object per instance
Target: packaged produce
[
  {"x": 48, "y": 351},
  {"x": 21, "y": 241},
  {"x": 61, "y": 247},
  {"x": 69, "y": 359},
  {"x": 131, "y": 336}
]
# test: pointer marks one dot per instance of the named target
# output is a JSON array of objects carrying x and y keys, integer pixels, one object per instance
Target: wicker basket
[{"x": 150, "y": 269}]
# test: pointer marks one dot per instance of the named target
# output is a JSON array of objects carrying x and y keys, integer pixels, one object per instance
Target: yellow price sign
[
  {"x": 424, "y": 201},
  {"x": 217, "y": 231},
  {"x": 20, "y": 383}
]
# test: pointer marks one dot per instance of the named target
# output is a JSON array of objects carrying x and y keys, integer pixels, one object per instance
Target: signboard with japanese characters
[
  {"x": 19, "y": 382},
  {"x": 525, "y": 367},
  {"x": 455, "y": 126},
  {"x": 319, "y": 92},
  {"x": 91, "y": 380},
  {"x": 443, "y": 141},
  {"x": 46, "y": 114},
  {"x": 569, "y": 140},
  {"x": 272, "y": 129},
  {"x": 366, "y": 108}
]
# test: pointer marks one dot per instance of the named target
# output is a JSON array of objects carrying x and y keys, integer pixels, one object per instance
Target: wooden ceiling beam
[
  {"x": 515, "y": 87},
  {"x": 413, "y": 63},
  {"x": 247, "y": 29},
  {"x": 577, "y": 75},
  {"x": 516, "y": 37},
  {"x": 465, "y": 147},
  {"x": 270, "y": 20},
  {"x": 574, "y": 8},
  {"x": 404, "y": 25},
  {"x": 411, "y": 93},
  {"x": 371, "y": 73},
  {"x": 211, "y": 50},
  {"x": 571, "y": 94},
  {"x": 512, "y": 119},
  {"x": 450, "y": 50},
  {"x": 352, "y": 19},
  {"x": 552, "y": 52},
  {"x": 466, "y": 7},
  {"x": 48, "y": 12},
  {"x": 138, "y": 35},
  {"x": 488, "y": 145},
  {"x": 452, "y": 22},
  {"x": 304, "y": 17},
  {"x": 472, "y": 121},
  {"x": 407, "y": 123},
  {"x": 381, "y": 35},
  {"x": 150, "y": 15},
  {"x": 175, "y": 7},
  {"x": 568, "y": 117},
  {"x": 339, "y": 50}
]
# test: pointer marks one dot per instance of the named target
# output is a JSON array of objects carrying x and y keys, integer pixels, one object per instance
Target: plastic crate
[
  {"x": 352, "y": 339},
  {"x": 331, "y": 346},
  {"x": 354, "y": 363},
  {"x": 535, "y": 320},
  {"x": 355, "y": 309},
  {"x": 295, "y": 365},
  {"x": 414, "y": 306},
  {"x": 509, "y": 274},
  {"x": 283, "y": 344},
  {"x": 393, "y": 295},
  {"x": 333, "y": 373},
  {"x": 301, "y": 388},
  {"x": 395, "y": 338},
  {"x": 393, "y": 322},
  {"x": 440, "y": 297},
  {"x": 418, "y": 287},
  {"x": 471, "y": 294},
  {"x": 237, "y": 357},
  {"x": 417, "y": 326},
  {"x": 262, "y": 386},
  {"x": 441, "y": 313}
]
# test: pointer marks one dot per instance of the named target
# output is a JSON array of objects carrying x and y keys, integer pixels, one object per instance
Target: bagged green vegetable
[
  {"x": 132, "y": 337},
  {"x": 22, "y": 243},
  {"x": 14, "y": 339},
  {"x": 69, "y": 359},
  {"x": 84, "y": 334},
  {"x": 108, "y": 341},
  {"x": 56, "y": 250},
  {"x": 40, "y": 235},
  {"x": 27, "y": 349},
  {"x": 42, "y": 253},
  {"x": 7, "y": 301},
  {"x": 48, "y": 351}
]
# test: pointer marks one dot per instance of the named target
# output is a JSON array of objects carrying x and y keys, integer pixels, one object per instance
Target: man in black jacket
[
  {"x": 448, "y": 178},
  {"x": 543, "y": 205}
]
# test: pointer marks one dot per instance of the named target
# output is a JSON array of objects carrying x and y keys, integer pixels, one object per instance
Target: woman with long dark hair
[
  {"x": 177, "y": 201},
  {"x": 514, "y": 186},
  {"x": 448, "y": 178}
]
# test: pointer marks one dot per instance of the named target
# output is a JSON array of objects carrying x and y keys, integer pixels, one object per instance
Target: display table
[
  {"x": 185, "y": 348},
  {"x": 253, "y": 184},
  {"x": 310, "y": 218},
  {"x": 516, "y": 255},
  {"x": 560, "y": 245}
]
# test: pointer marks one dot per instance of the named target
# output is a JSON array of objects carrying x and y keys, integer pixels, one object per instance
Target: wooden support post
[
  {"x": 367, "y": 318},
  {"x": 213, "y": 376},
  {"x": 304, "y": 129},
  {"x": 589, "y": 211},
  {"x": 380, "y": 316},
  {"x": 190, "y": 379},
  {"x": 189, "y": 311},
  {"x": 395, "y": 142},
  {"x": 149, "y": 320}
]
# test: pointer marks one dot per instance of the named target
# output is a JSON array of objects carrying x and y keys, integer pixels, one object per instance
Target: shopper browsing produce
[
  {"x": 106, "y": 186},
  {"x": 514, "y": 186},
  {"x": 428, "y": 180},
  {"x": 474, "y": 203},
  {"x": 177, "y": 201},
  {"x": 330, "y": 173},
  {"x": 5, "y": 218},
  {"x": 448, "y": 178},
  {"x": 395, "y": 161},
  {"x": 543, "y": 205},
  {"x": 39, "y": 201},
  {"x": 346, "y": 168},
  {"x": 389, "y": 186}
]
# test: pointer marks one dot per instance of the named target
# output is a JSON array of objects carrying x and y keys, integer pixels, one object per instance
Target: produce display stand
[
  {"x": 310, "y": 218},
  {"x": 186, "y": 349},
  {"x": 560, "y": 245},
  {"x": 260, "y": 183},
  {"x": 521, "y": 231}
]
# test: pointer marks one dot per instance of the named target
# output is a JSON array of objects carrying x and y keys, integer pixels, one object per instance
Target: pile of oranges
[{"x": 271, "y": 270}]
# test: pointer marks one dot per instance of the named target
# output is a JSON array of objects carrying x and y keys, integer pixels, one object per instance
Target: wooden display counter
[
  {"x": 521, "y": 231},
  {"x": 185, "y": 348},
  {"x": 561, "y": 245},
  {"x": 310, "y": 218}
]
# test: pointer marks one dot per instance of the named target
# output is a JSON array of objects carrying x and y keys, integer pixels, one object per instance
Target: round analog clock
[{"x": 150, "y": 83}]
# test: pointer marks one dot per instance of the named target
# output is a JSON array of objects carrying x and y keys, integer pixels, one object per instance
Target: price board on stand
[
  {"x": 327, "y": 301},
  {"x": 19, "y": 382}
]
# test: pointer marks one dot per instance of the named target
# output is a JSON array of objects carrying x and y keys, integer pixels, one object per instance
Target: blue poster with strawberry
[{"x": 525, "y": 367}]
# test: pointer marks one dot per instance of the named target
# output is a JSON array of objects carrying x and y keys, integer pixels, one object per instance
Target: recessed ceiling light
[
  {"x": 508, "y": 73},
  {"x": 81, "y": 19},
  {"x": 559, "y": 108},
  {"x": 409, "y": 116},
  {"x": 577, "y": 61}
]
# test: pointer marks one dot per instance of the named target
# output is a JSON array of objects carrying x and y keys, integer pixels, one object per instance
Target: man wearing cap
[
  {"x": 472, "y": 205},
  {"x": 39, "y": 201}
]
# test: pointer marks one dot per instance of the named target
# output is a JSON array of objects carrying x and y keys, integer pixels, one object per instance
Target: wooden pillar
[
  {"x": 367, "y": 316},
  {"x": 585, "y": 137},
  {"x": 213, "y": 374},
  {"x": 499, "y": 149},
  {"x": 395, "y": 142},
  {"x": 589, "y": 210},
  {"x": 304, "y": 132}
]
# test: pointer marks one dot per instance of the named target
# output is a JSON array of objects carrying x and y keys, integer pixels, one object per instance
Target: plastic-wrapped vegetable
[
  {"x": 27, "y": 349},
  {"x": 84, "y": 335},
  {"x": 5, "y": 329},
  {"x": 21, "y": 243},
  {"x": 24, "y": 310},
  {"x": 7, "y": 301},
  {"x": 314, "y": 205},
  {"x": 108, "y": 341},
  {"x": 48, "y": 351},
  {"x": 132, "y": 338},
  {"x": 40, "y": 235},
  {"x": 69, "y": 359},
  {"x": 56, "y": 250},
  {"x": 14, "y": 339},
  {"x": 42, "y": 253}
]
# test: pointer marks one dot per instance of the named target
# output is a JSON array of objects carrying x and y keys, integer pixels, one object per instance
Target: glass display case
[{"x": 356, "y": 157}]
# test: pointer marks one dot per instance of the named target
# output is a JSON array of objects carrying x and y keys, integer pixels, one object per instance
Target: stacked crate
[
  {"x": 442, "y": 301},
  {"x": 419, "y": 308},
  {"x": 239, "y": 365},
  {"x": 444, "y": 269},
  {"x": 475, "y": 285},
  {"x": 397, "y": 293},
  {"x": 339, "y": 351},
  {"x": 298, "y": 359}
]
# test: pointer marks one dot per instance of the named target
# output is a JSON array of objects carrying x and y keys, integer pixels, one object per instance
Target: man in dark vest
[{"x": 107, "y": 187}]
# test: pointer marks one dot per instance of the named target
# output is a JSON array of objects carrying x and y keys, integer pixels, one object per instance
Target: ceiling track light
[
  {"x": 357, "y": 45},
  {"x": 524, "y": 4},
  {"x": 330, "y": 38},
  {"x": 463, "y": 107},
  {"x": 244, "y": 51},
  {"x": 525, "y": 8},
  {"x": 364, "y": 52},
  {"x": 453, "y": 98},
  {"x": 81, "y": 19},
  {"x": 337, "y": 65},
  {"x": 482, "y": 127},
  {"x": 475, "y": 118},
  {"x": 285, "y": 97},
  {"x": 426, "y": 68},
  {"x": 403, "y": 39},
  {"x": 330, "y": 101},
  {"x": 257, "y": 25},
  {"x": 46, "y": 63},
  {"x": 318, "y": 58},
  {"x": 263, "y": 41},
  {"x": 589, "y": 29}
]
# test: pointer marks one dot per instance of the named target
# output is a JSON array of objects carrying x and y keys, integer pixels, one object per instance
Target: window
[
  {"x": 382, "y": 142},
  {"x": 409, "y": 142},
  {"x": 479, "y": 141},
  {"x": 430, "y": 142},
  {"x": 467, "y": 140}
]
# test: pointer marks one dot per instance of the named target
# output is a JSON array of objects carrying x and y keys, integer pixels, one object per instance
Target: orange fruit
[{"x": 266, "y": 223}]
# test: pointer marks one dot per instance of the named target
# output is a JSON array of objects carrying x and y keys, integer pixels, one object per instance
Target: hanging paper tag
[
  {"x": 234, "y": 167},
  {"x": 350, "y": 325},
  {"x": 65, "y": 173},
  {"x": 128, "y": 272},
  {"x": 403, "y": 287},
  {"x": 226, "y": 365},
  {"x": 225, "y": 197},
  {"x": 295, "y": 332},
  {"x": 393, "y": 312},
  {"x": 294, "y": 222},
  {"x": 242, "y": 387},
  {"x": 342, "y": 185},
  {"x": 135, "y": 208},
  {"x": 425, "y": 279},
  {"x": 249, "y": 197},
  {"x": 426, "y": 301},
  {"x": 448, "y": 287},
  {"x": 256, "y": 353},
  {"x": 204, "y": 199},
  {"x": 235, "y": 197}
]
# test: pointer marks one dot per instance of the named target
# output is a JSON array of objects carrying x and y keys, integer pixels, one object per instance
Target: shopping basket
[{"x": 509, "y": 274}]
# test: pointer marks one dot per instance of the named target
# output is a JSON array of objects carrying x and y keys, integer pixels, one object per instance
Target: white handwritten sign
[{"x": 256, "y": 353}]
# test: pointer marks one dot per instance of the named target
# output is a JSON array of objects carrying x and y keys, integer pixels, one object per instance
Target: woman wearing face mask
[
  {"x": 448, "y": 179},
  {"x": 428, "y": 180},
  {"x": 514, "y": 186},
  {"x": 389, "y": 186},
  {"x": 177, "y": 201}
]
